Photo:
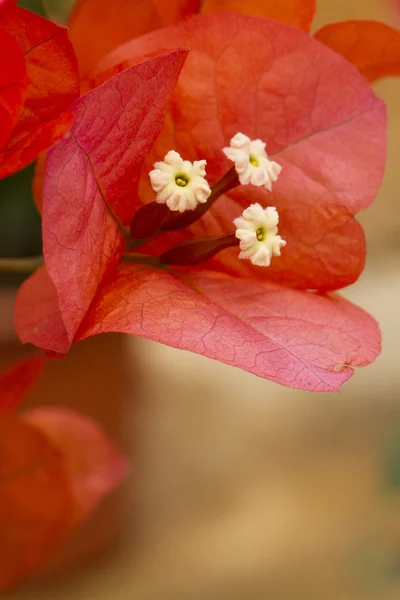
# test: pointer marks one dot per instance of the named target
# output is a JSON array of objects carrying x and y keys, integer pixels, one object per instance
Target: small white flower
[
  {"x": 257, "y": 230},
  {"x": 179, "y": 183},
  {"x": 251, "y": 161}
]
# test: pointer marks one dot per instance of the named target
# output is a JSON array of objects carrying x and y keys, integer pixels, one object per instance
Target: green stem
[
  {"x": 20, "y": 265},
  {"x": 30, "y": 264},
  {"x": 141, "y": 259}
]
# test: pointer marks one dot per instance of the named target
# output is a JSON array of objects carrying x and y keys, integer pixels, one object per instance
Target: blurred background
[{"x": 240, "y": 489}]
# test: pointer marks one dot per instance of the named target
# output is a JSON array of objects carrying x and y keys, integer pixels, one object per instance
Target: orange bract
[
  {"x": 35, "y": 500},
  {"x": 95, "y": 467},
  {"x": 17, "y": 380},
  {"x": 98, "y": 26},
  {"x": 294, "y": 12},
  {"x": 373, "y": 47}
]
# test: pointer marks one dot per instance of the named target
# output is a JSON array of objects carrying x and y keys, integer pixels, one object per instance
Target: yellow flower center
[
  {"x": 253, "y": 161},
  {"x": 260, "y": 233},
  {"x": 181, "y": 180}
]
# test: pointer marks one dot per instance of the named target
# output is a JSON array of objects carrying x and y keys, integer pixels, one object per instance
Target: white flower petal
[
  {"x": 251, "y": 161},
  {"x": 239, "y": 140},
  {"x": 164, "y": 180},
  {"x": 173, "y": 158},
  {"x": 257, "y": 231}
]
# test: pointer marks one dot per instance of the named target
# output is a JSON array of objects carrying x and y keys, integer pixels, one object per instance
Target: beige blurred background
[{"x": 242, "y": 489}]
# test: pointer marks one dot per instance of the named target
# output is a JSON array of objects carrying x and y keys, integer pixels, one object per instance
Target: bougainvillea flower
[
  {"x": 323, "y": 125},
  {"x": 55, "y": 468},
  {"x": 99, "y": 26},
  {"x": 38, "y": 82}
]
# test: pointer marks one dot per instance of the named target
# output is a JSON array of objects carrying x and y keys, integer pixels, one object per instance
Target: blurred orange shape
[
  {"x": 36, "y": 504},
  {"x": 94, "y": 466},
  {"x": 373, "y": 47},
  {"x": 294, "y": 12},
  {"x": 18, "y": 380}
]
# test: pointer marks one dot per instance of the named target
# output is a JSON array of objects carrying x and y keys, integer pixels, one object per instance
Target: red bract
[
  {"x": 332, "y": 146},
  {"x": 100, "y": 164},
  {"x": 38, "y": 80},
  {"x": 99, "y": 26},
  {"x": 94, "y": 466},
  {"x": 13, "y": 85},
  {"x": 17, "y": 381},
  {"x": 35, "y": 500},
  {"x": 325, "y": 127},
  {"x": 55, "y": 468}
]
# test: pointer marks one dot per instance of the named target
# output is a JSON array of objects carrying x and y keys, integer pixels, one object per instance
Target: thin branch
[
  {"x": 20, "y": 265},
  {"x": 30, "y": 264}
]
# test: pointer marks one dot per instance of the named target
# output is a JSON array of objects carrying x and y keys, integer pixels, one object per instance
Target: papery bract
[
  {"x": 6, "y": 3},
  {"x": 332, "y": 146},
  {"x": 35, "y": 499},
  {"x": 294, "y": 338},
  {"x": 323, "y": 125},
  {"x": 17, "y": 380},
  {"x": 37, "y": 315},
  {"x": 99, "y": 163},
  {"x": 98, "y": 26},
  {"x": 95, "y": 467},
  {"x": 373, "y": 47},
  {"x": 294, "y": 12},
  {"x": 13, "y": 85},
  {"x": 53, "y": 84}
]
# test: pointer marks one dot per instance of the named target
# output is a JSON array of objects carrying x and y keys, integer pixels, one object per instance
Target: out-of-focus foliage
[
  {"x": 58, "y": 10},
  {"x": 33, "y": 5},
  {"x": 392, "y": 464},
  {"x": 19, "y": 221}
]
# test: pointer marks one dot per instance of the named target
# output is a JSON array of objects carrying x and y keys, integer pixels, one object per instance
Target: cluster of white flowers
[{"x": 181, "y": 185}]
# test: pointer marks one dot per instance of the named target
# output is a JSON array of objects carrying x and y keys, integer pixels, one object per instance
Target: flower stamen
[
  {"x": 254, "y": 161},
  {"x": 260, "y": 233},
  {"x": 181, "y": 180}
]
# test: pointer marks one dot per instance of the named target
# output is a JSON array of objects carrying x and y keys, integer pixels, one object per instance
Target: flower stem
[
  {"x": 141, "y": 259},
  {"x": 30, "y": 264},
  {"x": 21, "y": 265}
]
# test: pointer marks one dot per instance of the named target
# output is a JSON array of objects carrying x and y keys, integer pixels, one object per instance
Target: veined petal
[{"x": 331, "y": 145}]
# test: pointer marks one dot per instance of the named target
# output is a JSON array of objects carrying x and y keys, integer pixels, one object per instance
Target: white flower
[
  {"x": 179, "y": 183},
  {"x": 251, "y": 161},
  {"x": 257, "y": 230}
]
